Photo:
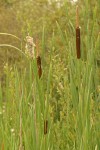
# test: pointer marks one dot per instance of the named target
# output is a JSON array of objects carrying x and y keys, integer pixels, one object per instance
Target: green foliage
[{"x": 68, "y": 93}]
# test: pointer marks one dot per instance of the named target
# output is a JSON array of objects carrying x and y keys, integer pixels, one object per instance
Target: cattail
[
  {"x": 77, "y": 35},
  {"x": 30, "y": 51},
  {"x": 38, "y": 60},
  {"x": 45, "y": 126},
  {"x": 39, "y": 66}
]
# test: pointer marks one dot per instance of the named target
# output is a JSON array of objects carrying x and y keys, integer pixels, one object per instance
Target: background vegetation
[{"x": 68, "y": 93}]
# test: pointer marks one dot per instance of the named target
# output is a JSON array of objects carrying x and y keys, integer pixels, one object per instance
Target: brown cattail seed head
[
  {"x": 78, "y": 42},
  {"x": 39, "y": 66},
  {"x": 45, "y": 127}
]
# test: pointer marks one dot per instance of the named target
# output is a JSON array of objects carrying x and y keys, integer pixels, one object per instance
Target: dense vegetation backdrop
[{"x": 69, "y": 86}]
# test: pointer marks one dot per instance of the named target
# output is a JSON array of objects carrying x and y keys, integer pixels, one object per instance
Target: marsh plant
[{"x": 53, "y": 102}]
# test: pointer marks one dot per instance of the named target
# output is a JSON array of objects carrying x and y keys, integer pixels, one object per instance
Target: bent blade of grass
[
  {"x": 11, "y": 35},
  {"x": 14, "y": 47}
]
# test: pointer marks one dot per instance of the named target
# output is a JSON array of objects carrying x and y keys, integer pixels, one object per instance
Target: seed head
[{"x": 30, "y": 46}]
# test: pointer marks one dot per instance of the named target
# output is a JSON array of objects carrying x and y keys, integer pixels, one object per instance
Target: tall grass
[{"x": 59, "y": 110}]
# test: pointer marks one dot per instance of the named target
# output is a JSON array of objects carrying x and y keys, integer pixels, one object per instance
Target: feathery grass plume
[
  {"x": 45, "y": 126},
  {"x": 38, "y": 60},
  {"x": 77, "y": 35},
  {"x": 30, "y": 46}
]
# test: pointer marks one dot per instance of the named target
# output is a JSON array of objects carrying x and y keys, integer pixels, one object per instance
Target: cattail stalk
[
  {"x": 45, "y": 127},
  {"x": 35, "y": 122},
  {"x": 77, "y": 35},
  {"x": 20, "y": 134}
]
